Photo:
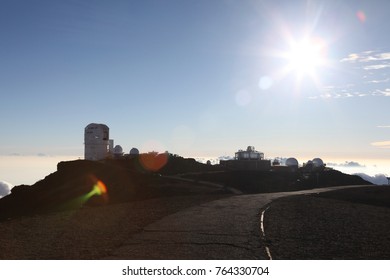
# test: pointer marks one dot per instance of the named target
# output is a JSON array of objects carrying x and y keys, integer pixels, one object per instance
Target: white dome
[
  {"x": 292, "y": 162},
  {"x": 317, "y": 162},
  {"x": 118, "y": 150},
  {"x": 134, "y": 151}
]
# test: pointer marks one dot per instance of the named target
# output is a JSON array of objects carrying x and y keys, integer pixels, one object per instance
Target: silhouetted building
[
  {"x": 250, "y": 159},
  {"x": 96, "y": 141}
]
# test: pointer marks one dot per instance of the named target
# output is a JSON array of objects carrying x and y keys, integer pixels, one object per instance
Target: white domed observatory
[
  {"x": 318, "y": 163},
  {"x": 292, "y": 162},
  {"x": 118, "y": 151},
  {"x": 134, "y": 152},
  {"x": 96, "y": 141}
]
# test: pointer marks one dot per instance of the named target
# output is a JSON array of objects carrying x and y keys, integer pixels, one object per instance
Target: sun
[{"x": 305, "y": 57}]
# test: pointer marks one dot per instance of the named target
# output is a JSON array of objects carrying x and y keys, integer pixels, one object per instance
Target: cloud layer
[
  {"x": 382, "y": 144},
  {"x": 5, "y": 188},
  {"x": 352, "y": 164},
  {"x": 379, "y": 179},
  {"x": 366, "y": 74}
]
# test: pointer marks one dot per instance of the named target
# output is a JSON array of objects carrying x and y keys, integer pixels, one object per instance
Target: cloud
[
  {"x": 378, "y": 81},
  {"x": 213, "y": 160},
  {"x": 353, "y": 57},
  {"x": 378, "y": 57},
  {"x": 5, "y": 188},
  {"x": 366, "y": 56},
  {"x": 376, "y": 66},
  {"x": 381, "y": 144},
  {"x": 338, "y": 93},
  {"x": 370, "y": 60},
  {"x": 343, "y": 91},
  {"x": 385, "y": 92},
  {"x": 378, "y": 179},
  {"x": 369, "y": 72},
  {"x": 205, "y": 159},
  {"x": 327, "y": 94},
  {"x": 352, "y": 164},
  {"x": 225, "y": 158},
  {"x": 383, "y": 126}
]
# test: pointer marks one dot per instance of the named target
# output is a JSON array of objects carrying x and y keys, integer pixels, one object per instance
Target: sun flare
[{"x": 305, "y": 57}]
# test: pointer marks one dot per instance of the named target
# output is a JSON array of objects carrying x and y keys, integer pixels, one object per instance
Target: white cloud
[
  {"x": 378, "y": 179},
  {"x": 353, "y": 57},
  {"x": 327, "y": 94},
  {"x": 5, "y": 188},
  {"x": 381, "y": 144},
  {"x": 378, "y": 81},
  {"x": 384, "y": 56},
  {"x": 225, "y": 158},
  {"x": 369, "y": 70},
  {"x": 367, "y": 56},
  {"x": 383, "y": 126},
  {"x": 378, "y": 57},
  {"x": 213, "y": 160},
  {"x": 42, "y": 155},
  {"x": 385, "y": 92},
  {"x": 353, "y": 164},
  {"x": 376, "y": 66}
]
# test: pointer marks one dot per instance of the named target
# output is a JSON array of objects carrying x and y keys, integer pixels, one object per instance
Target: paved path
[{"x": 222, "y": 229}]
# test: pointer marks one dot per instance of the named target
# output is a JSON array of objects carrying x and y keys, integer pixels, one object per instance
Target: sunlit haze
[
  {"x": 306, "y": 57},
  {"x": 200, "y": 79}
]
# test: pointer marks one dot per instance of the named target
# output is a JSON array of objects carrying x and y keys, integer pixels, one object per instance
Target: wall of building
[
  {"x": 261, "y": 165},
  {"x": 96, "y": 141}
]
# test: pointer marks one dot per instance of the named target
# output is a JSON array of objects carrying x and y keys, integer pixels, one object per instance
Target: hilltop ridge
[{"x": 94, "y": 183}]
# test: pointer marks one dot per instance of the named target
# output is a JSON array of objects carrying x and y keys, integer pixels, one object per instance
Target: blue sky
[{"x": 197, "y": 78}]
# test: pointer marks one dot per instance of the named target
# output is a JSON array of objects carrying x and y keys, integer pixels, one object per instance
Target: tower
[{"x": 96, "y": 141}]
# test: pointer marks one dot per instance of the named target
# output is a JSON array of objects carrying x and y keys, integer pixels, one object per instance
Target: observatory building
[
  {"x": 316, "y": 164},
  {"x": 292, "y": 164},
  {"x": 118, "y": 151},
  {"x": 97, "y": 142},
  {"x": 98, "y": 146},
  {"x": 134, "y": 152},
  {"x": 250, "y": 159},
  {"x": 249, "y": 154}
]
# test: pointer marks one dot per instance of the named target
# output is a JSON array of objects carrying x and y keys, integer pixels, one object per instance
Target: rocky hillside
[
  {"x": 78, "y": 183},
  {"x": 278, "y": 181}
]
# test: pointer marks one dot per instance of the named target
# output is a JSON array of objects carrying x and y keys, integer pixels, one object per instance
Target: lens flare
[
  {"x": 153, "y": 161},
  {"x": 265, "y": 82},
  {"x": 361, "y": 16},
  {"x": 99, "y": 189}
]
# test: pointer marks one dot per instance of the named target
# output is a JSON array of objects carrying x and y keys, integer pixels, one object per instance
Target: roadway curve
[{"x": 223, "y": 229}]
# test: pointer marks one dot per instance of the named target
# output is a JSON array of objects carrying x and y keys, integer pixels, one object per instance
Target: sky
[{"x": 197, "y": 78}]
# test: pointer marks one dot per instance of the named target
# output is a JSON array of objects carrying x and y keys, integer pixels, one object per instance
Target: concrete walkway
[{"x": 222, "y": 229}]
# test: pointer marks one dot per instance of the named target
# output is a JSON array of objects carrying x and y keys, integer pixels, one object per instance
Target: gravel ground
[
  {"x": 88, "y": 233},
  {"x": 343, "y": 224}
]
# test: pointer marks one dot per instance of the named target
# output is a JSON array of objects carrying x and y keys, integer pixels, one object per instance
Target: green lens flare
[{"x": 98, "y": 189}]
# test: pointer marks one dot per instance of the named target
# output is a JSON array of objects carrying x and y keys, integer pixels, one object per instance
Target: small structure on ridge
[
  {"x": 96, "y": 141},
  {"x": 250, "y": 159}
]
